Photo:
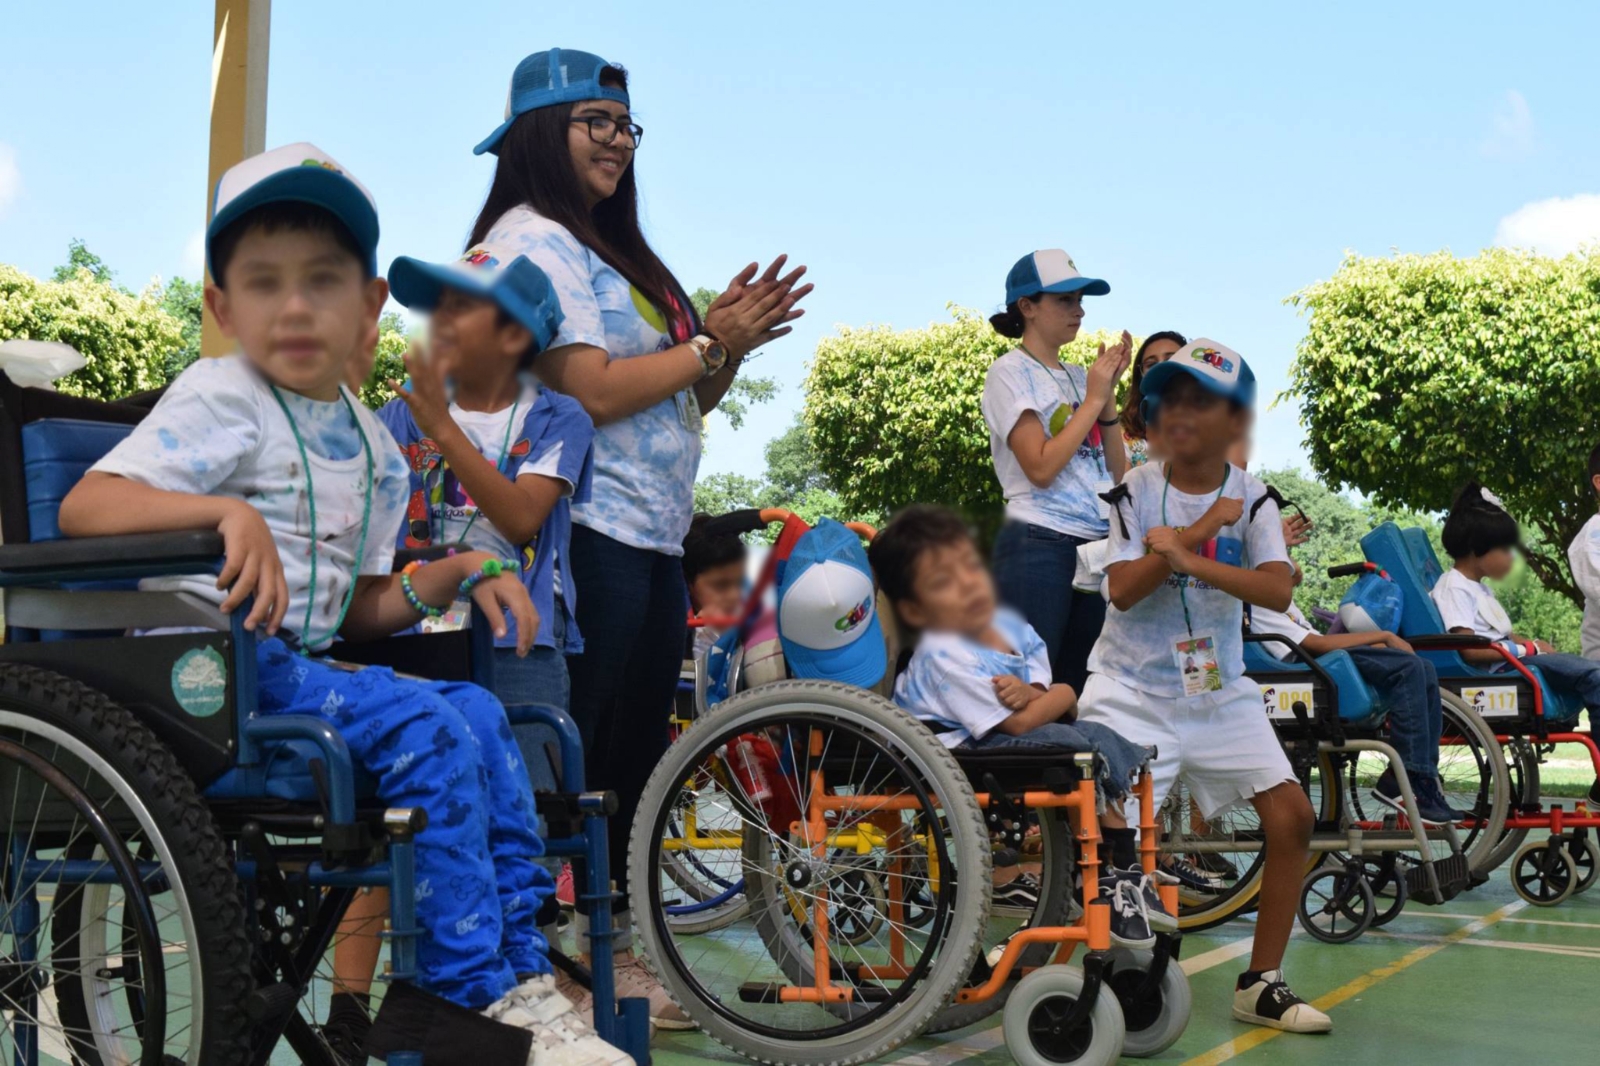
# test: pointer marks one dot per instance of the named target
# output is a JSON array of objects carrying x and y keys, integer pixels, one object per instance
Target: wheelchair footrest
[{"x": 1453, "y": 878}]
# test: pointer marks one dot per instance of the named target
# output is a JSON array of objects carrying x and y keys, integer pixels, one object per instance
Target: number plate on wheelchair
[
  {"x": 1495, "y": 701},
  {"x": 1279, "y": 700}
]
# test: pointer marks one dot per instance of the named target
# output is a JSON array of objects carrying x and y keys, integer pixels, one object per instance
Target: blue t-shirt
[
  {"x": 645, "y": 464},
  {"x": 949, "y": 681},
  {"x": 553, "y": 440}
]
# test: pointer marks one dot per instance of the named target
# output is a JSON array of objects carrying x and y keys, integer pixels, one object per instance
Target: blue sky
[{"x": 1207, "y": 159}]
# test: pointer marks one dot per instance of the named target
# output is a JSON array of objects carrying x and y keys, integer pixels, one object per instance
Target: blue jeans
[
  {"x": 445, "y": 747},
  {"x": 1120, "y": 759},
  {"x": 1033, "y": 570},
  {"x": 540, "y": 678},
  {"x": 1408, "y": 686},
  {"x": 1574, "y": 674},
  {"x": 633, "y": 610}
]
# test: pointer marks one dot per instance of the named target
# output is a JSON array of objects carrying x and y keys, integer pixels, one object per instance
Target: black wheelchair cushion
[
  {"x": 1015, "y": 767},
  {"x": 446, "y": 1035}
]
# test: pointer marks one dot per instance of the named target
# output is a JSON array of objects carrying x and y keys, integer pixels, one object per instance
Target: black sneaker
[
  {"x": 1194, "y": 876},
  {"x": 1017, "y": 898},
  {"x": 1387, "y": 792},
  {"x": 1130, "y": 913},
  {"x": 1155, "y": 911},
  {"x": 1268, "y": 1001},
  {"x": 1594, "y": 795},
  {"x": 1431, "y": 798},
  {"x": 1212, "y": 862},
  {"x": 345, "y": 1032}
]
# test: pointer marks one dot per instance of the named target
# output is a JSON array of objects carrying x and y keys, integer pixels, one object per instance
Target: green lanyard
[
  {"x": 1182, "y": 585},
  {"x": 505, "y": 450},
  {"x": 306, "y": 643},
  {"x": 1078, "y": 398}
]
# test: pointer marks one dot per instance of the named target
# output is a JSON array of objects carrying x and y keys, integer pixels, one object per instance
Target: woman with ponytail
[{"x": 1056, "y": 438}]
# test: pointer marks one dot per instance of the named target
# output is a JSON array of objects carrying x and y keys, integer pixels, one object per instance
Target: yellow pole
[{"x": 238, "y": 107}]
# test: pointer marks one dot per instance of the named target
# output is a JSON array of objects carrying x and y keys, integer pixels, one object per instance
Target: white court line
[
  {"x": 1518, "y": 921},
  {"x": 1575, "y": 951}
]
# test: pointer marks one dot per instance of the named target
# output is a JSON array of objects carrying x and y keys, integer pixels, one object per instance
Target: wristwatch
[{"x": 713, "y": 356}]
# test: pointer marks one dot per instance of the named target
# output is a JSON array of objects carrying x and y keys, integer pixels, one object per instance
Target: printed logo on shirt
[
  {"x": 1214, "y": 358},
  {"x": 857, "y": 615},
  {"x": 1058, "y": 421},
  {"x": 200, "y": 682},
  {"x": 480, "y": 257}
]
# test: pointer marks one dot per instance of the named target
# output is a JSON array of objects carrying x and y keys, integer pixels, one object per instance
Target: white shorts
[{"x": 1221, "y": 743}]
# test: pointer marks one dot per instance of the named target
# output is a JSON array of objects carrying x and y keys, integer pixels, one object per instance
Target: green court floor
[{"x": 1483, "y": 979}]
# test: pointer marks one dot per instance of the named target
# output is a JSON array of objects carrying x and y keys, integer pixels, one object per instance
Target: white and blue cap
[
  {"x": 1218, "y": 367},
  {"x": 1049, "y": 270},
  {"x": 513, "y": 282},
  {"x": 827, "y": 609},
  {"x": 295, "y": 173},
  {"x": 559, "y": 76}
]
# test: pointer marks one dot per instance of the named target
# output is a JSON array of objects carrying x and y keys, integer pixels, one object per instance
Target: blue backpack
[{"x": 1372, "y": 604}]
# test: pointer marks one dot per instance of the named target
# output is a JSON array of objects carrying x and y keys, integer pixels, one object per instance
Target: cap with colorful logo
[
  {"x": 295, "y": 173},
  {"x": 827, "y": 609},
  {"x": 513, "y": 282},
  {"x": 1219, "y": 368},
  {"x": 559, "y": 76},
  {"x": 1049, "y": 270}
]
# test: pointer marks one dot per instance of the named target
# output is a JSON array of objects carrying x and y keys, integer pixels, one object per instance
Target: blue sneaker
[{"x": 1431, "y": 803}]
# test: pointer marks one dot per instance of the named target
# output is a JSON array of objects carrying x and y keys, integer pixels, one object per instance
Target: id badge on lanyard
[
  {"x": 689, "y": 411},
  {"x": 1197, "y": 664}
]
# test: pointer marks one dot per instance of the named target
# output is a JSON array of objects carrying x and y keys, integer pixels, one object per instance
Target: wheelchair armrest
[
  {"x": 1328, "y": 715},
  {"x": 420, "y": 555},
  {"x": 101, "y": 558},
  {"x": 1448, "y": 641}
]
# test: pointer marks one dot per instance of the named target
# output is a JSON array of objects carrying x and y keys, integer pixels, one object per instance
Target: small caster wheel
[
  {"x": 1543, "y": 872},
  {"x": 1035, "y": 1021},
  {"x": 858, "y": 902},
  {"x": 1156, "y": 1018},
  {"x": 1336, "y": 904},
  {"x": 1586, "y": 855},
  {"x": 1390, "y": 890}
]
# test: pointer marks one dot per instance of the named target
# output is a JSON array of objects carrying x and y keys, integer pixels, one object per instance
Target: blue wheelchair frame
[{"x": 258, "y": 742}]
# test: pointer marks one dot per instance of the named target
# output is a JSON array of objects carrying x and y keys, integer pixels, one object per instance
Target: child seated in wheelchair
[
  {"x": 1483, "y": 539},
  {"x": 980, "y": 677},
  {"x": 1404, "y": 682},
  {"x": 306, "y": 486},
  {"x": 713, "y": 570}
]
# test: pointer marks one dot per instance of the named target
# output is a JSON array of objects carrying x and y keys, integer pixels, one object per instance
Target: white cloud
[
  {"x": 194, "y": 254},
  {"x": 1511, "y": 129},
  {"x": 10, "y": 177},
  {"x": 1555, "y": 226}
]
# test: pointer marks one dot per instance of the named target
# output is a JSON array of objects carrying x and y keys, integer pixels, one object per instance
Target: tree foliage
[
  {"x": 80, "y": 258},
  {"x": 792, "y": 480},
  {"x": 184, "y": 300},
  {"x": 895, "y": 418},
  {"x": 125, "y": 338},
  {"x": 1419, "y": 372},
  {"x": 389, "y": 364}
]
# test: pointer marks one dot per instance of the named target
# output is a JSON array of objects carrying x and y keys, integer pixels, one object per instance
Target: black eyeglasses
[{"x": 603, "y": 129}]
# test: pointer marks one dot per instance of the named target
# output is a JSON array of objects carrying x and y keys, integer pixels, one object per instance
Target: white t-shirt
[
  {"x": 488, "y": 433},
  {"x": 1467, "y": 604},
  {"x": 1137, "y": 646},
  {"x": 645, "y": 464},
  {"x": 1291, "y": 623},
  {"x": 1584, "y": 556},
  {"x": 950, "y": 679},
  {"x": 218, "y": 431},
  {"x": 1018, "y": 384}
]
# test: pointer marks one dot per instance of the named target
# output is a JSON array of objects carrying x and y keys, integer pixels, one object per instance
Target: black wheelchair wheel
[
  {"x": 1544, "y": 873},
  {"x": 203, "y": 955},
  {"x": 1336, "y": 904},
  {"x": 1387, "y": 876},
  {"x": 1586, "y": 856}
]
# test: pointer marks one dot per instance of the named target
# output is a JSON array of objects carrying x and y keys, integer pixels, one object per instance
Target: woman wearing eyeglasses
[{"x": 634, "y": 353}]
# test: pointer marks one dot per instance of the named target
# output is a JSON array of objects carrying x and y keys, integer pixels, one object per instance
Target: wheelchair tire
[
  {"x": 1587, "y": 858},
  {"x": 1055, "y": 908},
  {"x": 1522, "y": 775},
  {"x": 1152, "y": 1022},
  {"x": 1336, "y": 904},
  {"x": 1037, "y": 1004},
  {"x": 862, "y": 734},
  {"x": 1544, "y": 873},
  {"x": 1492, "y": 796},
  {"x": 163, "y": 820}
]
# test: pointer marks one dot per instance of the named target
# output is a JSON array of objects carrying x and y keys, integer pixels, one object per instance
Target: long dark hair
[
  {"x": 1133, "y": 426},
  {"x": 535, "y": 170}
]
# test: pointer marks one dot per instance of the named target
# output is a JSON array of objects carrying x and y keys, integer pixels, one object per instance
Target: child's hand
[
  {"x": 1220, "y": 515},
  {"x": 497, "y": 595},
  {"x": 427, "y": 398},
  {"x": 1013, "y": 692},
  {"x": 1296, "y": 530},
  {"x": 1106, "y": 370},
  {"x": 1544, "y": 647},
  {"x": 1390, "y": 640},
  {"x": 252, "y": 566},
  {"x": 1163, "y": 541}
]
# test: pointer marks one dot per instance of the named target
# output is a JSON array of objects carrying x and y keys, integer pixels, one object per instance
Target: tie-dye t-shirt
[
  {"x": 218, "y": 431},
  {"x": 949, "y": 681},
  {"x": 1016, "y": 385},
  {"x": 645, "y": 464}
]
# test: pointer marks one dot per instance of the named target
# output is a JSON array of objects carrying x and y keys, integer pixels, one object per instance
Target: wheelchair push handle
[
  {"x": 1355, "y": 569},
  {"x": 750, "y": 519}
]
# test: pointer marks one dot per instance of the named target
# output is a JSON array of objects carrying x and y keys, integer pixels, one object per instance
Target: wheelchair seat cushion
[
  {"x": 56, "y": 453},
  {"x": 1358, "y": 704}
]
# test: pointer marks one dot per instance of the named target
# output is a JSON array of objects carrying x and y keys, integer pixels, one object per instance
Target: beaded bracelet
[
  {"x": 411, "y": 594},
  {"x": 490, "y": 568}
]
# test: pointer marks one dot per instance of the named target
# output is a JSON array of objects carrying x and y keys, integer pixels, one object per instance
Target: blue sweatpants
[
  {"x": 1574, "y": 674},
  {"x": 1408, "y": 686},
  {"x": 445, "y": 747}
]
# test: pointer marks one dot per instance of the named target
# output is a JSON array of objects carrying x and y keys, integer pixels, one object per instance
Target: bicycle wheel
[{"x": 865, "y": 797}]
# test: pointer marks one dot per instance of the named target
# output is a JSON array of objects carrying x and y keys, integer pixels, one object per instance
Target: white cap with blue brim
[
  {"x": 1049, "y": 270},
  {"x": 295, "y": 173},
  {"x": 513, "y": 282}
]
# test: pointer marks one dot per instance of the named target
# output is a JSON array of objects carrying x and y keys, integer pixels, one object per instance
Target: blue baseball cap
[
  {"x": 515, "y": 284},
  {"x": 558, "y": 76},
  {"x": 1049, "y": 270},
  {"x": 1218, "y": 367},
  {"x": 297, "y": 173},
  {"x": 827, "y": 609}
]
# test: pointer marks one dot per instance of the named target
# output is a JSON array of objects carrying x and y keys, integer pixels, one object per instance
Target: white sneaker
[
  {"x": 560, "y": 1036},
  {"x": 634, "y": 980},
  {"x": 1268, "y": 1001}
]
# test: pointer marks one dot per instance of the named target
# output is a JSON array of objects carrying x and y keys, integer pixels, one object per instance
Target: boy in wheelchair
[
  {"x": 980, "y": 677},
  {"x": 1403, "y": 680},
  {"x": 306, "y": 486}
]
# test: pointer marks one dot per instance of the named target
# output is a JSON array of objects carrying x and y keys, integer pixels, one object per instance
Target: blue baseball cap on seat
[
  {"x": 295, "y": 173},
  {"x": 513, "y": 282},
  {"x": 1049, "y": 270},
  {"x": 1219, "y": 368},
  {"x": 558, "y": 76},
  {"x": 827, "y": 609}
]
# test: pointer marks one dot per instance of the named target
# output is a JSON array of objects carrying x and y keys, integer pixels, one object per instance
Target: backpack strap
[{"x": 1115, "y": 498}]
